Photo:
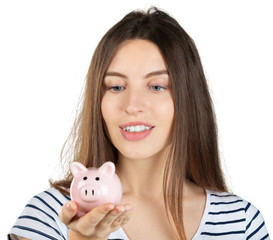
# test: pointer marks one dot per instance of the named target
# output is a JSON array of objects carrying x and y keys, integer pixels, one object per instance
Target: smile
[
  {"x": 134, "y": 131},
  {"x": 138, "y": 128}
]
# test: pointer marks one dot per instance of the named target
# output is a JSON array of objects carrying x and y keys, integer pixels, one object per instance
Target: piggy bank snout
[{"x": 90, "y": 193}]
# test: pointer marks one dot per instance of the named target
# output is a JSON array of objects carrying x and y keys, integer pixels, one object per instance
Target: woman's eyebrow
[
  {"x": 156, "y": 73},
  {"x": 151, "y": 74},
  {"x": 115, "y": 74}
]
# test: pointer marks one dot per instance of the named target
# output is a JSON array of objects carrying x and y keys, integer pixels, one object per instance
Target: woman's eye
[
  {"x": 157, "y": 88},
  {"x": 116, "y": 88}
]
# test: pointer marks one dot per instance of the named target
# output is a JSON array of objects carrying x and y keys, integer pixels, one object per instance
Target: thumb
[{"x": 68, "y": 212}]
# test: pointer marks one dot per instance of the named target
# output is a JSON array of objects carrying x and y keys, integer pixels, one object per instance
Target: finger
[
  {"x": 117, "y": 222},
  {"x": 128, "y": 207},
  {"x": 121, "y": 220},
  {"x": 68, "y": 212},
  {"x": 125, "y": 220},
  {"x": 94, "y": 217},
  {"x": 110, "y": 217}
]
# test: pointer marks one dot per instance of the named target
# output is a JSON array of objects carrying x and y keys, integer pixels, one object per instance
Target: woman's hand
[{"x": 96, "y": 224}]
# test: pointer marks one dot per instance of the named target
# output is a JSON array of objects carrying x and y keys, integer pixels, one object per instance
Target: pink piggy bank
[{"x": 92, "y": 187}]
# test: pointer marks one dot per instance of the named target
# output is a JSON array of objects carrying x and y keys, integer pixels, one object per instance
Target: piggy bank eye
[
  {"x": 85, "y": 178},
  {"x": 97, "y": 178}
]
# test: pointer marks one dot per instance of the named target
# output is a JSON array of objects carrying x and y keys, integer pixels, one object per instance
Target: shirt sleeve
[
  {"x": 255, "y": 224},
  {"x": 39, "y": 219}
]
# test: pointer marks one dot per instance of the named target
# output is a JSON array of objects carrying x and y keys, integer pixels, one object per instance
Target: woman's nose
[{"x": 134, "y": 102}]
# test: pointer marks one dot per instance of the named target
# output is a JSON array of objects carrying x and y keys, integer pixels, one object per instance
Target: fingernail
[
  {"x": 129, "y": 207},
  {"x": 120, "y": 210},
  {"x": 109, "y": 207},
  {"x": 71, "y": 206}
]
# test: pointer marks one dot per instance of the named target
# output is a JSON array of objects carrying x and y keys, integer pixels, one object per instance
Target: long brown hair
[{"x": 194, "y": 148}]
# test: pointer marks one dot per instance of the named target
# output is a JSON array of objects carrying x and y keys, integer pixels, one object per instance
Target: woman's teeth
[{"x": 139, "y": 128}]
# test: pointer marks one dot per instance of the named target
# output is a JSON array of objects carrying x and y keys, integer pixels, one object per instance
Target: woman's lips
[
  {"x": 134, "y": 131},
  {"x": 137, "y": 123}
]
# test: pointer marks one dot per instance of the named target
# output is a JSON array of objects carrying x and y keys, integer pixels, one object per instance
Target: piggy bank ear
[
  {"x": 108, "y": 169},
  {"x": 77, "y": 167}
]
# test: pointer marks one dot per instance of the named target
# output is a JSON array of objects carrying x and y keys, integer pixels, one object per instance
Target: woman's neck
[{"x": 141, "y": 177}]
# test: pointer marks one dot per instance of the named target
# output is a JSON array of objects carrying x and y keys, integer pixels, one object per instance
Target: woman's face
[{"x": 137, "y": 105}]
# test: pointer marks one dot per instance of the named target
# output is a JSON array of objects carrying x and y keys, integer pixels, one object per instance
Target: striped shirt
[{"x": 226, "y": 216}]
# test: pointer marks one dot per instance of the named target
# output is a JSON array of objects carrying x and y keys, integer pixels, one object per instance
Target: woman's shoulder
[
  {"x": 228, "y": 213},
  {"x": 47, "y": 202},
  {"x": 231, "y": 203},
  {"x": 50, "y": 196},
  {"x": 39, "y": 219}
]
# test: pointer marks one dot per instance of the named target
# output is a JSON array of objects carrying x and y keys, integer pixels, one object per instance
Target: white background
[{"x": 45, "y": 50}]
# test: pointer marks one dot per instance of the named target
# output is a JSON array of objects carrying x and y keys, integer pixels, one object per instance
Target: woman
[{"x": 147, "y": 108}]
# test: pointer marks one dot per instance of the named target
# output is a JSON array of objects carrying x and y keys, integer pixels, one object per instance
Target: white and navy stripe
[
  {"x": 231, "y": 217},
  {"x": 226, "y": 216},
  {"x": 40, "y": 220}
]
